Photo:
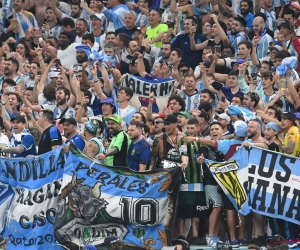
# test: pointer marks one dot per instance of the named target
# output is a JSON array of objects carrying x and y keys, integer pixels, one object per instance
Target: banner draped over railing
[
  {"x": 261, "y": 181},
  {"x": 73, "y": 201}
]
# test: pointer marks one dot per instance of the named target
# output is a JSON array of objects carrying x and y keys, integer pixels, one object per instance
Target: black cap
[
  {"x": 241, "y": 20},
  {"x": 289, "y": 115},
  {"x": 67, "y": 34},
  {"x": 284, "y": 23},
  {"x": 112, "y": 239},
  {"x": 18, "y": 117},
  {"x": 170, "y": 119},
  {"x": 204, "y": 115},
  {"x": 70, "y": 120}
]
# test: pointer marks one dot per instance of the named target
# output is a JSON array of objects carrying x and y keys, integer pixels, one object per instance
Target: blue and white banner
[
  {"x": 261, "y": 181},
  {"x": 236, "y": 110},
  {"x": 56, "y": 200},
  {"x": 29, "y": 188}
]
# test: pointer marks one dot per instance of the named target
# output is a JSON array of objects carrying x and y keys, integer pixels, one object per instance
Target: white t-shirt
[
  {"x": 68, "y": 56},
  {"x": 4, "y": 143}
]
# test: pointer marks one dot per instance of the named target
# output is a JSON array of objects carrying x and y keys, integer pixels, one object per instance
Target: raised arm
[
  {"x": 141, "y": 65},
  {"x": 195, "y": 46},
  {"x": 98, "y": 88},
  {"x": 222, "y": 33}
]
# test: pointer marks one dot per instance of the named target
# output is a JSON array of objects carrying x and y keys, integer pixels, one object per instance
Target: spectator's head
[
  {"x": 207, "y": 52},
  {"x": 7, "y": 82},
  {"x": 207, "y": 96},
  {"x": 97, "y": 21},
  {"x": 251, "y": 99},
  {"x": 122, "y": 40},
  {"x": 176, "y": 104},
  {"x": 224, "y": 120},
  {"x": 237, "y": 100},
  {"x": 214, "y": 30},
  {"x": 88, "y": 39},
  {"x": 233, "y": 79},
  {"x": 216, "y": 131},
  {"x": 64, "y": 39},
  {"x": 287, "y": 121},
  {"x": 34, "y": 69},
  {"x": 240, "y": 129},
  {"x": 111, "y": 38},
  {"x": 130, "y": 19},
  {"x": 62, "y": 95},
  {"x": 182, "y": 118},
  {"x": 133, "y": 47},
  {"x": 18, "y": 5},
  {"x": 158, "y": 124},
  {"x": 271, "y": 131},
  {"x": 228, "y": 51},
  {"x": 265, "y": 4},
  {"x": 109, "y": 50},
  {"x": 22, "y": 49},
  {"x": 176, "y": 56},
  {"x": 46, "y": 118},
  {"x": 190, "y": 22},
  {"x": 265, "y": 67},
  {"x": 167, "y": 37},
  {"x": 135, "y": 131},
  {"x": 259, "y": 25},
  {"x": 289, "y": 15},
  {"x": 49, "y": 92},
  {"x": 267, "y": 80},
  {"x": 244, "y": 49},
  {"x": 246, "y": 7},
  {"x": 193, "y": 127},
  {"x": 239, "y": 24},
  {"x": 285, "y": 28},
  {"x": 114, "y": 124},
  {"x": 52, "y": 41},
  {"x": 145, "y": 3},
  {"x": 154, "y": 18},
  {"x": 11, "y": 67},
  {"x": 50, "y": 15},
  {"x": 124, "y": 95},
  {"x": 108, "y": 106},
  {"x": 166, "y": 50},
  {"x": 82, "y": 53},
  {"x": 29, "y": 94},
  {"x": 139, "y": 117},
  {"x": 93, "y": 147},
  {"x": 229, "y": 23},
  {"x": 138, "y": 36},
  {"x": 67, "y": 24},
  {"x": 91, "y": 127},
  {"x": 69, "y": 125},
  {"x": 254, "y": 128},
  {"x": 279, "y": 56},
  {"x": 81, "y": 27},
  {"x": 207, "y": 108},
  {"x": 113, "y": 243},
  {"x": 75, "y": 10},
  {"x": 18, "y": 123},
  {"x": 206, "y": 28},
  {"x": 170, "y": 123},
  {"x": 183, "y": 69},
  {"x": 14, "y": 101},
  {"x": 80, "y": 73},
  {"x": 273, "y": 112}
]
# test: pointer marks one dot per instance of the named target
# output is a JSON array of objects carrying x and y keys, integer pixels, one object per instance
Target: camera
[{"x": 57, "y": 63}]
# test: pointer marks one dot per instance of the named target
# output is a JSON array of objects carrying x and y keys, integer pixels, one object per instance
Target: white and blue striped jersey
[
  {"x": 236, "y": 39},
  {"x": 271, "y": 19},
  {"x": 142, "y": 19},
  {"x": 116, "y": 15},
  {"x": 191, "y": 102},
  {"x": 57, "y": 111},
  {"x": 100, "y": 40},
  {"x": 262, "y": 47},
  {"x": 54, "y": 31}
]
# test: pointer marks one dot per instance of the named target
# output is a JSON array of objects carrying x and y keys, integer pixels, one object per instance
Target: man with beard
[
  {"x": 129, "y": 28},
  {"x": 165, "y": 53},
  {"x": 70, "y": 134},
  {"x": 82, "y": 54},
  {"x": 81, "y": 29},
  {"x": 115, "y": 12},
  {"x": 165, "y": 152},
  {"x": 97, "y": 21},
  {"x": 22, "y": 143},
  {"x": 51, "y": 27},
  {"x": 33, "y": 73},
  {"x": 238, "y": 33},
  {"x": 116, "y": 155},
  {"x": 183, "y": 42},
  {"x": 68, "y": 25},
  {"x": 224, "y": 120},
  {"x": 61, "y": 110},
  {"x": 67, "y": 50},
  {"x": 76, "y": 11},
  {"x": 10, "y": 71},
  {"x": 182, "y": 120},
  {"x": 138, "y": 156}
]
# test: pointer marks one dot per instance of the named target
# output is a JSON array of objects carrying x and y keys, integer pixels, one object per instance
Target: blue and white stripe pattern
[
  {"x": 271, "y": 19},
  {"x": 25, "y": 21}
]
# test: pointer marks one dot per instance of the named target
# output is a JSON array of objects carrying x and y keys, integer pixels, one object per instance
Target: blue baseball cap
[
  {"x": 109, "y": 101},
  {"x": 92, "y": 125},
  {"x": 84, "y": 48},
  {"x": 240, "y": 129},
  {"x": 274, "y": 126}
]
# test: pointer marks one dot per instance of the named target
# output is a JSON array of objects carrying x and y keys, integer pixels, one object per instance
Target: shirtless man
[
  {"x": 165, "y": 151},
  {"x": 40, "y": 7}
]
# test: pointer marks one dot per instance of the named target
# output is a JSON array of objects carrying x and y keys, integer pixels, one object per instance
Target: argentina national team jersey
[
  {"x": 25, "y": 21},
  {"x": 54, "y": 31},
  {"x": 271, "y": 19},
  {"x": 142, "y": 20},
  {"x": 262, "y": 47},
  {"x": 192, "y": 102}
]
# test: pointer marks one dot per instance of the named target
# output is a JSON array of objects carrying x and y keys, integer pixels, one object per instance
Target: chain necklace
[{"x": 172, "y": 141}]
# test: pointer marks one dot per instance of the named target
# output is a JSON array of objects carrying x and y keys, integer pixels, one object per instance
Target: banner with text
[
  {"x": 142, "y": 88},
  {"x": 71, "y": 200},
  {"x": 261, "y": 181}
]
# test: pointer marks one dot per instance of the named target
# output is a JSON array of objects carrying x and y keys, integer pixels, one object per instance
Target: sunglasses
[{"x": 158, "y": 122}]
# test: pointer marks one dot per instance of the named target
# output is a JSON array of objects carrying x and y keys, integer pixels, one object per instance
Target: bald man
[{"x": 261, "y": 37}]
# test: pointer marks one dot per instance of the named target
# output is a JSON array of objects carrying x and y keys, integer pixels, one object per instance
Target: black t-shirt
[{"x": 49, "y": 138}]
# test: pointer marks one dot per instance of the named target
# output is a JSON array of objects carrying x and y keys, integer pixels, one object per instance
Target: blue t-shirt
[
  {"x": 229, "y": 95},
  {"x": 78, "y": 141},
  {"x": 26, "y": 140},
  {"x": 138, "y": 153}
]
